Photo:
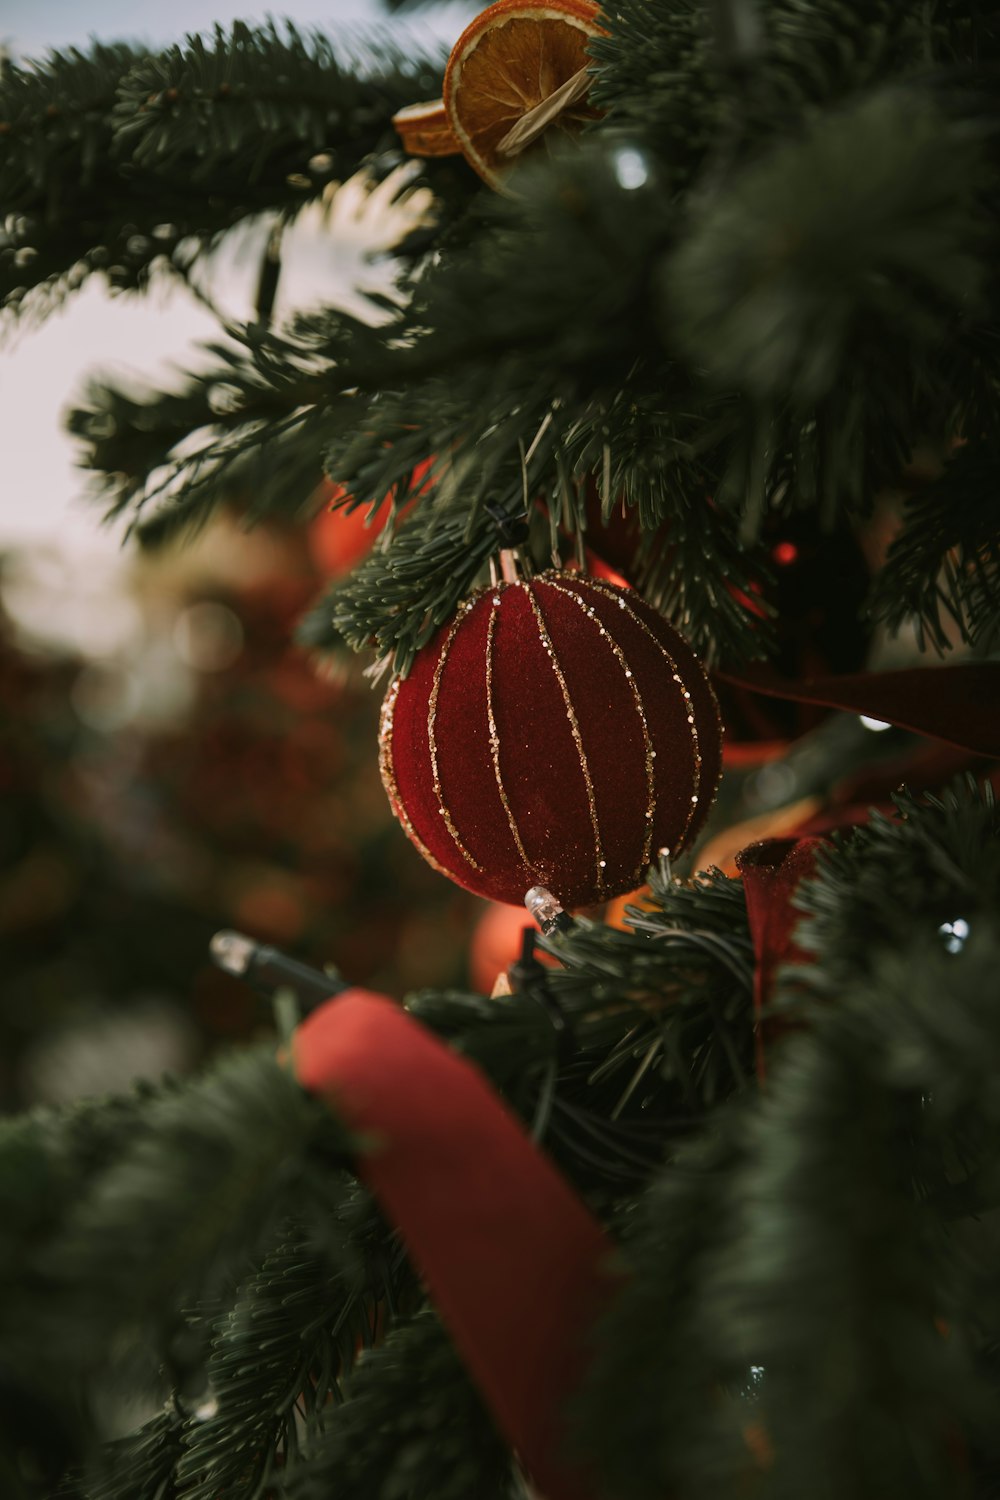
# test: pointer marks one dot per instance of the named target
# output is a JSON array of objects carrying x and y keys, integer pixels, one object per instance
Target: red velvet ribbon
[
  {"x": 959, "y": 704},
  {"x": 772, "y": 871},
  {"x": 514, "y": 1262}
]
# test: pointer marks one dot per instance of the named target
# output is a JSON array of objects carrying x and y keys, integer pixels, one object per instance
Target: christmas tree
[{"x": 684, "y": 408}]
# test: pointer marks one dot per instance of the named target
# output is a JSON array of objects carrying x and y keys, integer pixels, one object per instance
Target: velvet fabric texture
[
  {"x": 772, "y": 871},
  {"x": 959, "y": 703},
  {"x": 557, "y": 732}
]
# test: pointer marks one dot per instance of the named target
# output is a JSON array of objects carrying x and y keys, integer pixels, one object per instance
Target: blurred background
[{"x": 169, "y": 762}]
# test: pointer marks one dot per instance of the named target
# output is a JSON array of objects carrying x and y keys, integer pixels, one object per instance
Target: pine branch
[
  {"x": 645, "y": 1410},
  {"x": 833, "y": 1266},
  {"x": 279, "y": 1357},
  {"x": 665, "y": 75},
  {"x": 55, "y": 128},
  {"x": 49, "y": 1163},
  {"x": 825, "y": 258},
  {"x": 895, "y": 881},
  {"x": 657, "y": 1027},
  {"x": 396, "y": 600},
  {"x": 241, "y": 109},
  {"x": 139, "y": 1466},
  {"x": 411, "y": 1427},
  {"x": 251, "y": 429},
  {"x": 804, "y": 405},
  {"x": 529, "y": 396},
  {"x": 789, "y": 1339},
  {"x": 944, "y": 568},
  {"x": 208, "y": 1176},
  {"x": 114, "y": 159},
  {"x": 691, "y": 563}
]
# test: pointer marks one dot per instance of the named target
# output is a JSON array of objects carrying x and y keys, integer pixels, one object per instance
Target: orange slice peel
[
  {"x": 518, "y": 70},
  {"x": 425, "y": 130}
]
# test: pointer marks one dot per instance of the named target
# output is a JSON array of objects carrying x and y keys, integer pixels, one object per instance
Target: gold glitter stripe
[
  {"x": 549, "y": 649},
  {"x": 650, "y": 753},
  {"x": 388, "y": 774},
  {"x": 685, "y": 694},
  {"x": 449, "y": 822},
  {"x": 495, "y": 738}
]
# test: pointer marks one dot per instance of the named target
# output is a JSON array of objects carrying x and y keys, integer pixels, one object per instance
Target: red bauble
[
  {"x": 556, "y": 732},
  {"x": 340, "y": 538},
  {"x": 496, "y": 944}
]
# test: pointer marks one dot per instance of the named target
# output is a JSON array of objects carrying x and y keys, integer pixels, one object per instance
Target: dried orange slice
[
  {"x": 425, "y": 130},
  {"x": 517, "y": 72}
]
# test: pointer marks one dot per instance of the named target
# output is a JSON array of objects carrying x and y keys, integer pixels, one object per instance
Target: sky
[{"x": 43, "y": 502}]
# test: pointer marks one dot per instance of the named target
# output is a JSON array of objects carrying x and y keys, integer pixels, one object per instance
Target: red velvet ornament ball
[{"x": 556, "y": 732}]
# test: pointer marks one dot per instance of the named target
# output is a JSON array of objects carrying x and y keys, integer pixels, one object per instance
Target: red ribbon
[
  {"x": 771, "y": 871},
  {"x": 516, "y": 1265},
  {"x": 958, "y": 704}
]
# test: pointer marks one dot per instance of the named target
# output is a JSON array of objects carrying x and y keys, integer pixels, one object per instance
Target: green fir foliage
[
  {"x": 825, "y": 1333},
  {"x": 116, "y": 159},
  {"x": 762, "y": 281},
  {"x": 944, "y": 569},
  {"x": 410, "y": 1427}
]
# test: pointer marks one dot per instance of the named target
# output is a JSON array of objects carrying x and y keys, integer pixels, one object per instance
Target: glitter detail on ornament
[
  {"x": 647, "y": 740},
  {"x": 574, "y": 726},
  {"x": 498, "y": 703},
  {"x": 388, "y": 775},
  {"x": 685, "y": 694},
  {"x": 495, "y": 738},
  {"x": 449, "y": 821}
]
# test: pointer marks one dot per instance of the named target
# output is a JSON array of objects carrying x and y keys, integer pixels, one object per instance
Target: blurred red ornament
[
  {"x": 272, "y": 910},
  {"x": 496, "y": 944},
  {"x": 617, "y": 912},
  {"x": 340, "y": 538},
  {"x": 612, "y": 541},
  {"x": 556, "y": 732}
]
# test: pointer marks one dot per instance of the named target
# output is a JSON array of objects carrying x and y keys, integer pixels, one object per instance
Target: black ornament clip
[{"x": 512, "y": 527}]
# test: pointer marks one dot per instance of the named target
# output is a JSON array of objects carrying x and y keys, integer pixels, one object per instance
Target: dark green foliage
[
  {"x": 256, "y": 1268},
  {"x": 706, "y": 91},
  {"x": 790, "y": 1252},
  {"x": 411, "y": 1427},
  {"x": 114, "y": 159},
  {"x": 231, "y": 112},
  {"x": 171, "y": 1197},
  {"x": 226, "y": 411},
  {"x": 56, "y": 168},
  {"x": 48, "y": 1163},
  {"x": 839, "y": 259},
  {"x": 944, "y": 568},
  {"x": 139, "y": 1466},
  {"x": 940, "y": 858},
  {"x": 267, "y": 415},
  {"x": 765, "y": 277},
  {"x": 276, "y": 1357},
  {"x": 275, "y": 1362},
  {"x": 781, "y": 240},
  {"x": 809, "y": 1230},
  {"x": 655, "y": 1029},
  {"x": 395, "y": 602}
]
